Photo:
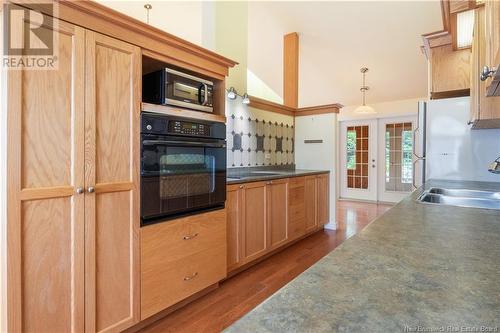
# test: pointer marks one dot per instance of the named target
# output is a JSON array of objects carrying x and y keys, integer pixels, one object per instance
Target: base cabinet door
[
  {"x": 277, "y": 193},
  {"x": 45, "y": 224},
  {"x": 255, "y": 231},
  {"x": 310, "y": 206},
  {"x": 113, "y": 72},
  {"x": 323, "y": 199},
  {"x": 234, "y": 207}
]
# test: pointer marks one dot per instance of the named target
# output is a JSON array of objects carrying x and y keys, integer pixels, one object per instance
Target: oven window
[
  {"x": 178, "y": 179},
  {"x": 186, "y": 173}
]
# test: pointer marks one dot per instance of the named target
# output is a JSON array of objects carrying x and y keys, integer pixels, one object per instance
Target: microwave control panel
[{"x": 188, "y": 128}]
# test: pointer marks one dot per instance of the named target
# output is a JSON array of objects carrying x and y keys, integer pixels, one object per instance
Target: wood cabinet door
[
  {"x": 311, "y": 198},
  {"x": 45, "y": 237},
  {"x": 234, "y": 208},
  {"x": 323, "y": 199},
  {"x": 482, "y": 107},
  {"x": 254, "y": 221},
  {"x": 492, "y": 17},
  {"x": 277, "y": 218},
  {"x": 113, "y": 76}
]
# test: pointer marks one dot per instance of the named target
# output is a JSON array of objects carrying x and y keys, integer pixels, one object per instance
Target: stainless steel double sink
[{"x": 461, "y": 198}]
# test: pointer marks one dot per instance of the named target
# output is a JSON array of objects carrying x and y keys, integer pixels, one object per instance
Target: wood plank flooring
[{"x": 241, "y": 293}]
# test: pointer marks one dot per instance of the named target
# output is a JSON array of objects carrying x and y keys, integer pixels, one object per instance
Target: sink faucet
[{"x": 495, "y": 166}]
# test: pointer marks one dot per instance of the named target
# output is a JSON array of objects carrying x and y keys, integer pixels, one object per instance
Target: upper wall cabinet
[
  {"x": 485, "y": 111},
  {"x": 450, "y": 72},
  {"x": 492, "y": 48},
  {"x": 73, "y": 245}
]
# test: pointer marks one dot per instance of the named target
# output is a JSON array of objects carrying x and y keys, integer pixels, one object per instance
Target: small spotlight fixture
[
  {"x": 246, "y": 99},
  {"x": 232, "y": 94}
]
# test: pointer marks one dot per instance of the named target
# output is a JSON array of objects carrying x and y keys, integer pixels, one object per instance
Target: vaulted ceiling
[{"x": 337, "y": 38}]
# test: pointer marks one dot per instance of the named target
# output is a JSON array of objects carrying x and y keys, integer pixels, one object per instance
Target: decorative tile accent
[{"x": 254, "y": 140}]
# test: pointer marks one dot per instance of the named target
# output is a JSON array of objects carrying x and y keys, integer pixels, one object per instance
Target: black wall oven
[{"x": 183, "y": 167}]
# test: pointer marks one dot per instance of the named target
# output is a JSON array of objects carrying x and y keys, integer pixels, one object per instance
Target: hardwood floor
[{"x": 241, "y": 293}]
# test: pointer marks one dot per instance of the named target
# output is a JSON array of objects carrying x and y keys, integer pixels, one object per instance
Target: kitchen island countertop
[{"x": 419, "y": 267}]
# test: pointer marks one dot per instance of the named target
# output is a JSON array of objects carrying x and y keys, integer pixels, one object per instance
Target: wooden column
[{"x": 291, "y": 70}]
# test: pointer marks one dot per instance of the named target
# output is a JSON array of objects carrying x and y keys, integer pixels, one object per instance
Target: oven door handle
[{"x": 183, "y": 143}]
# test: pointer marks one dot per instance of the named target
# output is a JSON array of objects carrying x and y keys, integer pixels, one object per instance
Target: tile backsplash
[{"x": 257, "y": 137}]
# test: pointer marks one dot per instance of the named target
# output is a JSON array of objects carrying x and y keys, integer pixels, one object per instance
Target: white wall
[
  {"x": 318, "y": 156},
  {"x": 184, "y": 19}
]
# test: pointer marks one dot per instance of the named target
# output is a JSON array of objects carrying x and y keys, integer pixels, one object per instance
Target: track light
[{"x": 232, "y": 94}]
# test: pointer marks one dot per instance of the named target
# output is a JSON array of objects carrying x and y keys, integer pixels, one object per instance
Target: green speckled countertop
[{"x": 419, "y": 267}]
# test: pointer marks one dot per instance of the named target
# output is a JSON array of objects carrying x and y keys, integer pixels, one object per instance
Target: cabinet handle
[
  {"x": 79, "y": 190},
  {"x": 241, "y": 186},
  {"x": 487, "y": 72},
  {"x": 188, "y": 237},
  {"x": 192, "y": 276},
  {"x": 269, "y": 183},
  {"x": 91, "y": 189}
]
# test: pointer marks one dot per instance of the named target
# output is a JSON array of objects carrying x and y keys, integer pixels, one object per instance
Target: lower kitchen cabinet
[
  {"x": 254, "y": 222},
  {"x": 311, "y": 203},
  {"x": 277, "y": 193},
  {"x": 180, "y": 258},
  {"x": 323, "y": 199},
  {"x": 264, "y": 216}
]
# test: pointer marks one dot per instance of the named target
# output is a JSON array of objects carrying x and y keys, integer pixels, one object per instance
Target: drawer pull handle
[
  {"x": 192, "y": 276},
  {"x": 188, "y": 237}
]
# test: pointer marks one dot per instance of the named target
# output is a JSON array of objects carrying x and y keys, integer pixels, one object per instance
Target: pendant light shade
[{"x": 363, "y": 108}]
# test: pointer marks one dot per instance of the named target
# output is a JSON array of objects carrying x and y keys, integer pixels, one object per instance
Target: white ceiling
[{"x": 338, "y": 38}]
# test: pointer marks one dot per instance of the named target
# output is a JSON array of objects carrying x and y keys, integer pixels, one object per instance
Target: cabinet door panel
[
  {"x": 311, "y": 198},
  {"x": 277, "y": 213},
  {"x": 323, "y": 193},
  {"x": 234, "y": 226},
  {"x": 255, "y": 220},
  {"x": 112, "y": 168},
  {"x": 45, "y": 216}
]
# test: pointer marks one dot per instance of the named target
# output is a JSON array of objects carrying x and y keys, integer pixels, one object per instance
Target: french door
[
  {"x": 376, "y": 161},
  {"x": 395, "y": 176},
  {"x": 358, "y": 158}
]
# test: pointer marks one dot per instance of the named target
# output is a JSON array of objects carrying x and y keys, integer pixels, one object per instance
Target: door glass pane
[
  {"x": 357, "y": 157},
  {"x": 398, "y": 157}
]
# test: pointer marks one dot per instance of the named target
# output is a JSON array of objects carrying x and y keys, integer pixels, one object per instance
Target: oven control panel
[{"x": 188, "y": 128}]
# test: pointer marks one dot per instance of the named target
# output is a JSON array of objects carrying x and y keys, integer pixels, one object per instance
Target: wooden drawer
[
  {"x": 296, "y": 212},
  {"x": 173, "y": 250},
  {"x": 184, "y": 237},
  {"x": 296, "y": 228},
  {"x": 296, "y": 182},
  {"x": 164, "y": 285}
]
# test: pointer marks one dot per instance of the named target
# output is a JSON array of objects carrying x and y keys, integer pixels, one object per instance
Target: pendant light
[{"x": 364, "y": 108}]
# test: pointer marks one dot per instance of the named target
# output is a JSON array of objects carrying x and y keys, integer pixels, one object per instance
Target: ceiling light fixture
[
  {"x": 246, "y": 99},
  {"x": 232, "y": 94},
  {"x": 364, "y": 108}
]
